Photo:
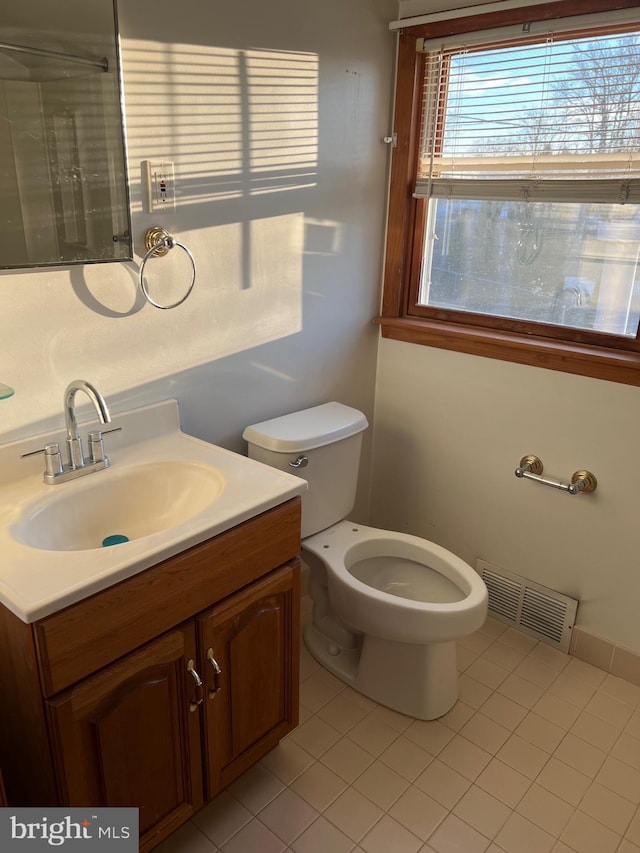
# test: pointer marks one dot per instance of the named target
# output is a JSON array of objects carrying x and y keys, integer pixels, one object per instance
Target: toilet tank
[{"x": 329, "y": 437}]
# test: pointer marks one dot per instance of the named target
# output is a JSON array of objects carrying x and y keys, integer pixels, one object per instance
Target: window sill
[{"x": 580, "y": 359}]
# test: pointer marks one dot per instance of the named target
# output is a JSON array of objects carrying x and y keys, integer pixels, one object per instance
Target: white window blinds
[{"x": 543, "y": 118}]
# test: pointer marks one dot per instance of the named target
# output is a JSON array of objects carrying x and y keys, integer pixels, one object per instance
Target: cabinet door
[
  {"x": 127, "y": 736},
  {"x": 249, "y": 649}
]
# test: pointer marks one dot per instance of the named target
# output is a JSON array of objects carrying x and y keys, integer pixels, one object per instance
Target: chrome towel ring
[{"x": 158, "y": 242}]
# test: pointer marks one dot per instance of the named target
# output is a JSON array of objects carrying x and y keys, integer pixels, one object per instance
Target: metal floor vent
[{"x": 534, "y": 609}]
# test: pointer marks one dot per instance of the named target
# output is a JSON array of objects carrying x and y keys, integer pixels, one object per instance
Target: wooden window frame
[{"x": 587, "y": 354}]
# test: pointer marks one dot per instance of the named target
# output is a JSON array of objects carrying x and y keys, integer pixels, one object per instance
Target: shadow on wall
[
  {"x": 262, "y": 383},
  {"x": 244, "y": 125},
  {"x": 392, "y": 474},
  {"x": 243, "y": 128}
]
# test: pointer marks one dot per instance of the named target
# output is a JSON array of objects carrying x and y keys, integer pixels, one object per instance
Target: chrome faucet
[
  {"x": 77, "y": 465},
  {"x": 74, "y": 443}
]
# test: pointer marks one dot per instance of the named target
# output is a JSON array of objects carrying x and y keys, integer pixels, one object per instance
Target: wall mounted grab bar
[{"x": 530, "y": 468}]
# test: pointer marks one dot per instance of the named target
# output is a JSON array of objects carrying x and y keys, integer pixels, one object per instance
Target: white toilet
[{"x": 387, "y": 607}]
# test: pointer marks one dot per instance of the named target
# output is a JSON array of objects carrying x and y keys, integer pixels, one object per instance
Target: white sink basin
[
  {"x": 108, "y": 506},
  {"x": 164, "y": 491}
]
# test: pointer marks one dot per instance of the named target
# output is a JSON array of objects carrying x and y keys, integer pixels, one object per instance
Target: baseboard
[{"x": 606, "y": 655}]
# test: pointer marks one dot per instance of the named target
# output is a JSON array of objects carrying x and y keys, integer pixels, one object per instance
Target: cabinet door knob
[
  {"x": 217, "y": 672},
  {"x": 191, "y": 669}
]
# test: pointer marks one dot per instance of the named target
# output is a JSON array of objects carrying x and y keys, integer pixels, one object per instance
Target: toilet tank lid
[{"x": 307, "y": 429}]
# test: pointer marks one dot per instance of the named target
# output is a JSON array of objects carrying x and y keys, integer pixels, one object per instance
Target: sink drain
[{"x": 114, "y": 539}]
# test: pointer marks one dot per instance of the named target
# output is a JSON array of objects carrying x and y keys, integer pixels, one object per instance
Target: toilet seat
[{"x": 346, "y": 548}]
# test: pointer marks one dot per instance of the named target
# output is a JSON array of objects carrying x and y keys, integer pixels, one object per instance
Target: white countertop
[{"x": 35, "y": 582}]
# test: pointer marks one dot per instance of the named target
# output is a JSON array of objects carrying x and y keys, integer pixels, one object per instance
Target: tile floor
[{"x": 541, "y": 754}]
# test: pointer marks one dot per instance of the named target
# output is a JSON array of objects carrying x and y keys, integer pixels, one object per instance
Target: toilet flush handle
[{"x": 300, "y": 462}]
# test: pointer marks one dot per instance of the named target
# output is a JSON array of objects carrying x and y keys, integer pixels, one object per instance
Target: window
[{"x": 514, "y": 216}]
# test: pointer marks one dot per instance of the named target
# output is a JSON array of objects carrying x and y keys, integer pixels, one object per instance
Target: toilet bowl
[
  {"x": 398, "y": 587},
  {"x": 387, "y": 607},
  {"x": 404, "y": 602}
]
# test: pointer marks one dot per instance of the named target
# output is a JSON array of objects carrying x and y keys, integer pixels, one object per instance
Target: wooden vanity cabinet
[
  {"x": 251, "y": 675},
  {"x": 125, "y": 736},
  {"x": 161, "y": 690}
]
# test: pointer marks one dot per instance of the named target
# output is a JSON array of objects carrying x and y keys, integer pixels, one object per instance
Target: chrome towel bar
[{"x": 530, "y": 468}]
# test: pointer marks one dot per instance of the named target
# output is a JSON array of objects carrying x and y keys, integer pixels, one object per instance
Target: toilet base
[
  {"x": 340, "y": 661},
  {"x": 420, "y": 681}
]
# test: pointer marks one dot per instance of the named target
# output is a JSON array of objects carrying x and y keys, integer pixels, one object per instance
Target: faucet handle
[
  {"x": 96, "y": 445},
  {"x": 52, "y": 458},
  {"x": 113, "y": 429}
]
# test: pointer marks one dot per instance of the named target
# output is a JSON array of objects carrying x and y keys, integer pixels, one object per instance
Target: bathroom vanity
[
  {"x": 151, "y": 673},
  {"x": 161, "y": 690}
]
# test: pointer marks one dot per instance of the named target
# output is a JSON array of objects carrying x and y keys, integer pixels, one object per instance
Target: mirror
[{"x": 63, "y": 186}]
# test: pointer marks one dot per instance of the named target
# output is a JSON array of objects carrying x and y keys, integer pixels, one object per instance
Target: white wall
[
  {"x": 288, "y": 259},
  {"x": 451, "y": 428}
]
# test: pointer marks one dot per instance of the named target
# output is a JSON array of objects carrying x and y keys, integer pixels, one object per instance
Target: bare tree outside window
[
  {"x": 564, "y": 110},
  {"x": 602, "y": 92}
]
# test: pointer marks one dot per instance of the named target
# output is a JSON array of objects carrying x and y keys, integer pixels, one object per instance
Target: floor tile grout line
[
  {"x": 608, "y": 690},
  {"x": 550, "y": 755},
  {"x": 532, "y": 781},
  {"x": 386, "y": 811}
]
